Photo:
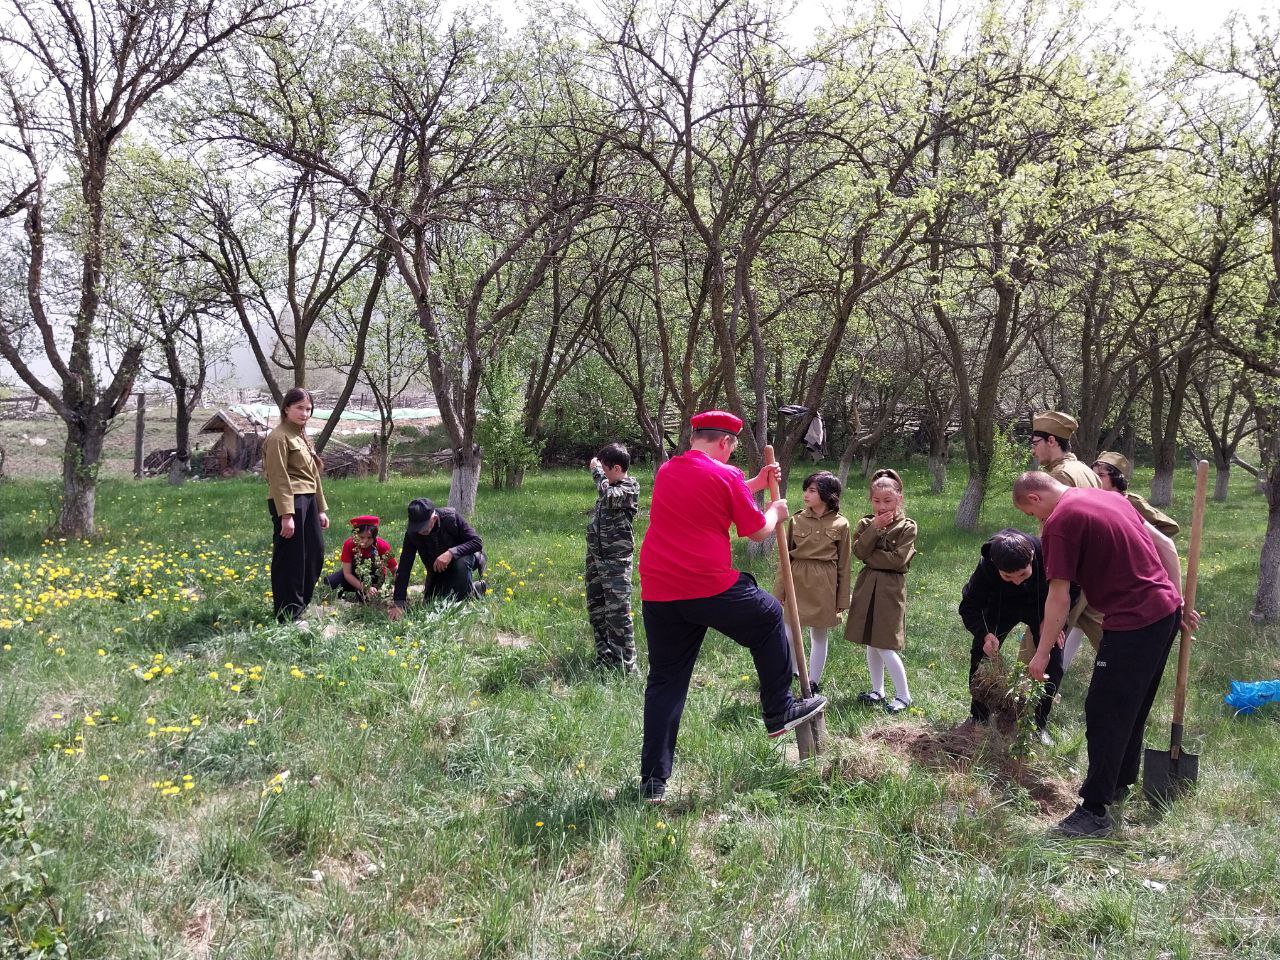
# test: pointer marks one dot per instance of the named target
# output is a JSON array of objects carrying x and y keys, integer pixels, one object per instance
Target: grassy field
[{"x": 461, "y": 784}]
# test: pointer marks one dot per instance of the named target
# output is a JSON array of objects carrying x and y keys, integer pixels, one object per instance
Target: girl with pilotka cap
[
  {"x": 296, "y": 502},
  {"x": 1113, "y": 472},
  {"x": 885, "y": 542}
]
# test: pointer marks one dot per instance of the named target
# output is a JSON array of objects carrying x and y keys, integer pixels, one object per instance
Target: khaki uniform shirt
[
  {"x": 1153, "y": 515},
  {"x": 1072, "y": 472},
  {"x": 820, "y": 549},
  {"x": 291, "y": 468},
  {"x": 878, "y": 611}
]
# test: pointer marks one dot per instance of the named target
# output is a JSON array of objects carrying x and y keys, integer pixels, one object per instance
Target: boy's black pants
[
  {"x": 296, "y": 562},
  {"x": 675, "y": 629},
  {"x": 979, "y": 711},
  {"x": 1126, "y": 678}
]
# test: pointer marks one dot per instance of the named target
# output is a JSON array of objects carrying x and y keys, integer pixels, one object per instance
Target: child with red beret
[{"x": 366, "y": 560}]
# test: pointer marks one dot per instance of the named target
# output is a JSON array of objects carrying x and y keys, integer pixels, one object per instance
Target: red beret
[
  {"x": 366, "y": 521},
  {"x": 716, "y": 420}
]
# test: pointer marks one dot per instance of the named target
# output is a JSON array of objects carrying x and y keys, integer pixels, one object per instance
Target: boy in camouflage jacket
[{"x": 609, "y": 548}]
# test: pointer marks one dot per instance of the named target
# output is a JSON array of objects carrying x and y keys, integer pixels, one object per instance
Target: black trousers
[
  {"x": 1126, "y": 678},
  {"x": 979, "y": 711},
  {"x": 338, "y": 581},
  {"x": 296, "y": 562},
  {"x": 675, "y": 629},
  {"x": 453, "y": 582}
]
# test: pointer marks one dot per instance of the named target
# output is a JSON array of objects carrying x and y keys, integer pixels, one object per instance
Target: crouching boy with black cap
[{"x": 450, "y": 550}]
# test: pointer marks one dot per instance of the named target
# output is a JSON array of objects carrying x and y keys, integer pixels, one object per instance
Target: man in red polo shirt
[
  {"x": 687, "y": 584},
  {"x": 1130, "y": 573}
]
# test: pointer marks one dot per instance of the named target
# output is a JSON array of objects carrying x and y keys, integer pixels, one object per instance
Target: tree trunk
[
  {"x": 1222, "y": 483},
  {"x": 937, "y": 465},
  {"x": 384, "y": 456},
  {"x": 1266, "y": 604},
  {"x": 868, "y": 461},
  {"x": 180, "y": 469},
  {"x": 139, "y": 436},
  {"x": 514, "y": 478},
  {"x": 846, "y": 460},
  {"x": 1162, "y": 485},
  {"x": 80, "y": 460},
  {"x": 465, "y": 480},
  {"x": 969, "y": 511}
]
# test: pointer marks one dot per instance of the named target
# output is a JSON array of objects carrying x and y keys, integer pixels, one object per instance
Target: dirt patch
[
  {"x": 513, "y": 641},
  {"x": 960, "y": 750},
  {"x": 198, "y": 931}
]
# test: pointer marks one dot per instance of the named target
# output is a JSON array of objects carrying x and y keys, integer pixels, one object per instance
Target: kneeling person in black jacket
[
  {"x": 1008, "y": 588},
  {"x": 450, "y": 550}
]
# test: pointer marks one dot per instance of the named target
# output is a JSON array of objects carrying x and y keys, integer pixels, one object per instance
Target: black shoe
[
  {"x": 870, "y": 698},
  {"x": 796, "y": 714},
  {"x": 480, "y": 587},
  {"x": 896, "y": 705},
  {"x": 813, "y": 687},
  {"x": 1082, "y": 823},
  {"x": 653, "y": 790}
]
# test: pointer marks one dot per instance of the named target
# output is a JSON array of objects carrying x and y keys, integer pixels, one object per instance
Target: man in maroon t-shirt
[
  {"x": 1130, "y": 572},
  {"x": 688, "y": 584}
]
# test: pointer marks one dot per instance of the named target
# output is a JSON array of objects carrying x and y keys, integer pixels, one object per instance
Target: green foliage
[
  {"x": 500, "y": 430},
  {"x": 30, "y": 920},
  {"x": 1008, "y": 461}
]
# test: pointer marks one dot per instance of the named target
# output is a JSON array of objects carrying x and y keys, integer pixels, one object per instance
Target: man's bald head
[{"x": 1036, "y": 493}]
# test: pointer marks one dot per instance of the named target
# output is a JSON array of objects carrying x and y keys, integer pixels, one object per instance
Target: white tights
[
  {"x": 877, "y": 660},
  {"x": 817, "y": 652}
]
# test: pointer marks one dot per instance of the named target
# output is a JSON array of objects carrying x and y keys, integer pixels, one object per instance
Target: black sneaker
[
  {"x": 796, "y": 714},
  {"x": 653, "y": 790},
  {"x": 1082, "y": 823}
]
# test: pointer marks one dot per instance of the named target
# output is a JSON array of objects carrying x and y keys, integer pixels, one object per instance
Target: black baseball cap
[{"x": 421, "y": 510}]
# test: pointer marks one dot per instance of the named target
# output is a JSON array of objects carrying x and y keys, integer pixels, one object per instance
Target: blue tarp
[{"x": 1248, "y": 697}]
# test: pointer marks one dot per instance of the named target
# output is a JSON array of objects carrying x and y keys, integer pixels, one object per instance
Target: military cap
[
  {"x": 1055, "y": 424},
  {"x": 368, "y": 520},
  {"x": 716, "y": 420},
  {"x": 1117, "y": 460}
]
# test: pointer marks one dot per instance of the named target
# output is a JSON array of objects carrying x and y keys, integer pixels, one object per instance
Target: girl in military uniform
[
  {"x": 818, "y": 538},
  {"x": 885, "y": 543},
  {"x": 297, "y": 506},
  {"x": 1113, "y": 472}
]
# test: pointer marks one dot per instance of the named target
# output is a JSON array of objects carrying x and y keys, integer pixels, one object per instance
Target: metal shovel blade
[{"x": 1164, "y": 779}]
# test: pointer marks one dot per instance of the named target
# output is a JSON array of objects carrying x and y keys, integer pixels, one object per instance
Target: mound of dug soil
[{"x": 970, "y": 745}]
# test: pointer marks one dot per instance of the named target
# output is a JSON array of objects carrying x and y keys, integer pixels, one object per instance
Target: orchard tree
[{"x": 76, "y": 78}]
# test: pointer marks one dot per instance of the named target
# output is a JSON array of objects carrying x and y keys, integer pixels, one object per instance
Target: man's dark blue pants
[{"x": 745, "y": 614}]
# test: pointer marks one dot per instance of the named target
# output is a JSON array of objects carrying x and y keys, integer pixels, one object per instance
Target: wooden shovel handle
[
  {"x": 789, "y": 606},
  {"x": 1189, "y": 595}
]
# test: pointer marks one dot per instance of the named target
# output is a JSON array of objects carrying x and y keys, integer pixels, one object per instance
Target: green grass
[{"x": 471, "y": 794}]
